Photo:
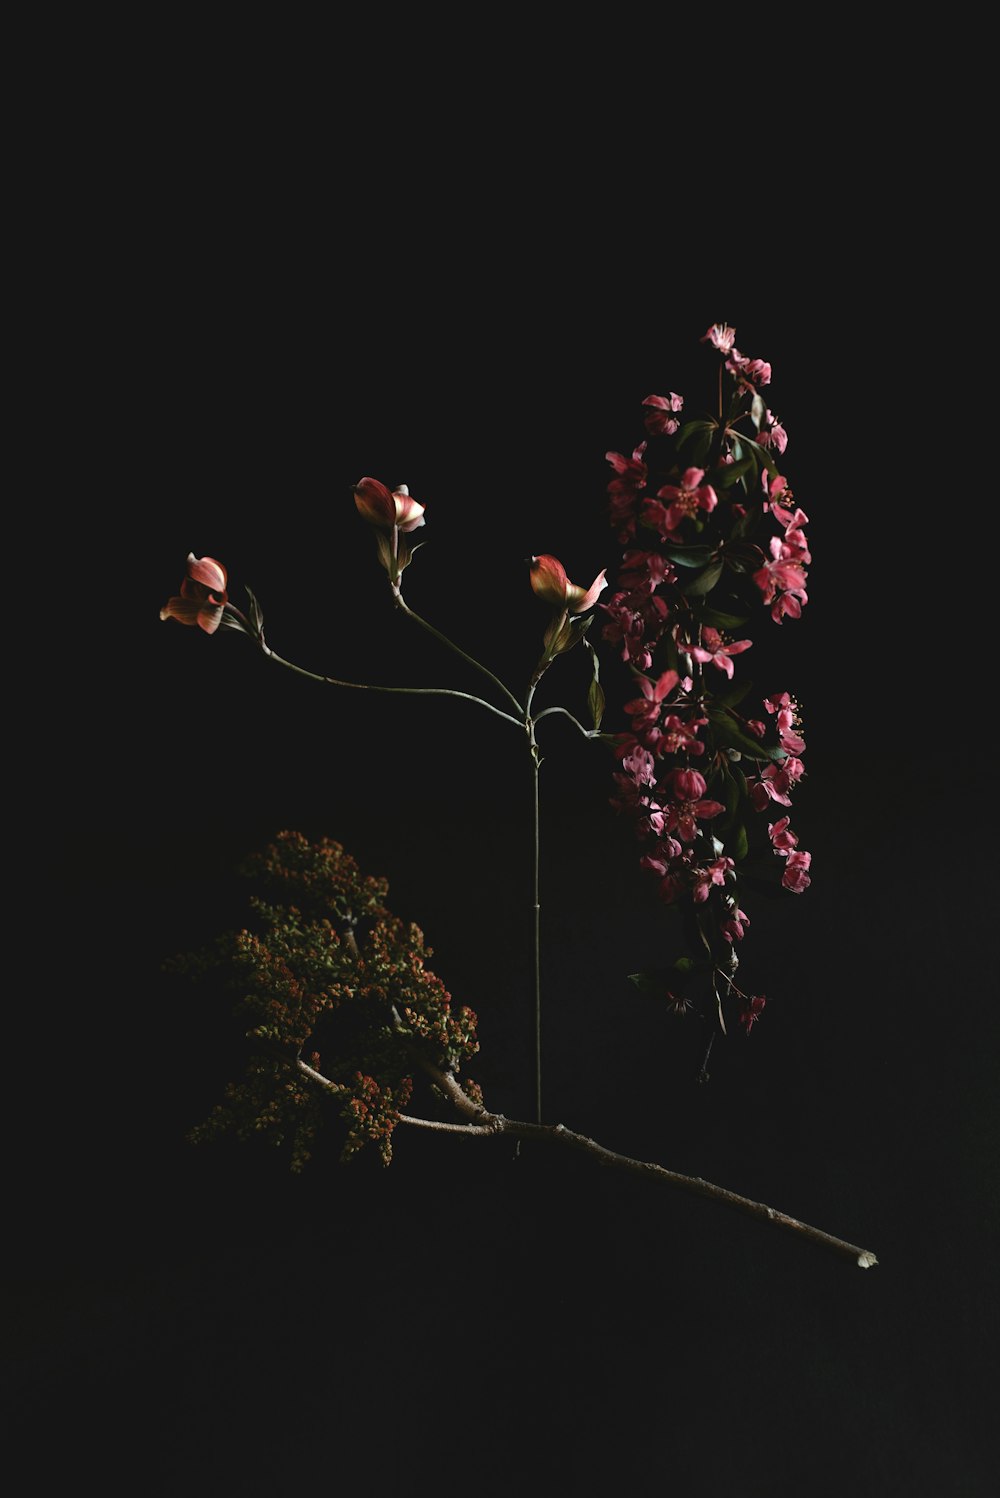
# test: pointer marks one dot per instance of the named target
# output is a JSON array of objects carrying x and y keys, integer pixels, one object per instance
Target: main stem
[{"x": 535, "y": 766}]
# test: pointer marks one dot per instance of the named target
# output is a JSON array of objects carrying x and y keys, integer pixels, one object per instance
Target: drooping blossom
[
  {"x": 684, "y": 500},
  {"x": 782, "y": 581},
  {"x": 202, "y": 597},
  {"x": 772, "y": 433},
  {"x": 549, "y": 581},
  {"x": 796, "y": 875},
  {"x": 636, "y": 620},
  {"x": 753, "y": 374},
  {"x": 660, "y": 419},
  {"x": 712, "y": 874},
  {"x": 720, "y": 336},
  {"x": 776, "y": 782},
  {"x": 751, "y": 1011},
  {"x": 783, "y": 708},
  {"x": 783, "y": 839},
  {"x": 735, "y": 927},
  {"x": 624, "y": 490},
  {"x": 384, "y": 509},
  {"x": 714, "y": 650}
]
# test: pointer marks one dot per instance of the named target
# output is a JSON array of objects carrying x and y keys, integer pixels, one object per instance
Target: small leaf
[
  {"x": 758, "y": 410},
  {"x": 740, "y": 843},
  {"x": 731, "y": 473},
  {"x": 728, "y": 731},
  {"x": 763, "y": 456},
  {"x": 721, "y": 620},
  {"x": 689, "y": 556},
  {"x": 704, "y": 582},
  {"x": 595, "y": 692},
  {"x": 693, "y": 428},
  {"x": 733, "y": 695},
  {"x": 255, "y": 613}
]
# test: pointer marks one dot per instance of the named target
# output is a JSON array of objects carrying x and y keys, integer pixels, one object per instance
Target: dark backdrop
[{"x": 251, "y": 350}]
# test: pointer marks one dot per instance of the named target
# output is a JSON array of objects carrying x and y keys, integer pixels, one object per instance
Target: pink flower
[
  {"x": 774, "y": 489},
  {"x": 720, "y": 336},
  {"x": 776, "y": 782},
  {"x": 796, "y": 875},
  {"x": 713, "y": 649},
  {"x": 704, "y": 879},
  {"x": 646, "y": 709},
  {"x": 783, "y": 581},
  {"x": 686, "y": 499},
  {"x": 784, "y": 709},
  {"x": 751, "y": 373},
  {"x": 386, "y": 510},
  {"x": 549, "y": 580},
  {"x": 783, "y": 839},
  {"x": 659, "y": 420},
  {"x": 202, "y": 596},
  {"x": 624, "y": 489},
  {"x": 642, "y": 571},
  {"x": 735, "y": 927},
  {"x": 751, "y": 1012},
  {"x": 676, "y": 737},
  {"x": 689, "y": 809},
  {"x": 773, "y": 434},
  {"x": 632, "y": 470}
]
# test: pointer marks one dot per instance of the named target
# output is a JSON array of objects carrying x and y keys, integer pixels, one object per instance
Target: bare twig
[{"x": 484, "y": 1124}]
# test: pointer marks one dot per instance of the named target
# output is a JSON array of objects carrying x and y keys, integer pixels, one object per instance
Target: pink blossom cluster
[{"x": 700, "y": 507}]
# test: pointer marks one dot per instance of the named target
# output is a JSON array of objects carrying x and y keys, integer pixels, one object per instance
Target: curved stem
[
  {"x": 363, "y": 686},
  {"x": 588, "y": 733},
  {"x": 470, "y": 659}
]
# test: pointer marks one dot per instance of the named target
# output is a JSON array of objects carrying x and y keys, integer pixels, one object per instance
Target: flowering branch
[{"x": 711, "y": 534}]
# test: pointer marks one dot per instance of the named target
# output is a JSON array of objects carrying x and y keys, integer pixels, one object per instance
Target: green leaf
[
  {"x": 731, "y": 473},
  {"x": 733, "y": 695},
  {"x": 758, "y": 410},
  {"x": 704, "y": 582},
  {"x": 721, "y": 620},
  {"x": 595, "y": 692},
  {"x": 730, "y": 792},
  {"x": 691, "y": 428},
  {"x": 689, "y": 556},
  {"x": 744, "y": 524},
  {"x": 728, "y": 732},
  {"x": 763, "y": 456},
  {"x": 740, "y": 845}
]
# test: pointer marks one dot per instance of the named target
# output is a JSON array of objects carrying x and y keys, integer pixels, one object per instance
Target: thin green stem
[
  {"x": 364, "y": 686},
  {"x": 470, "y": 659},
  {"x": 535, "y": 765},
  {"x": 588, "y": 733}
]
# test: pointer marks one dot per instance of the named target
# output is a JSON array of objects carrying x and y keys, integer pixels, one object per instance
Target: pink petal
[
  {"x": 549, "y": 580},
  {"x": 210, "y": 617},
  {"x": 375, "y": 503},
  {"x": 184, "y": 610},
  {"x": 704, "y": 810},
  {"x": 208, "y": 571},
  {"x": 578, "y": 600}
]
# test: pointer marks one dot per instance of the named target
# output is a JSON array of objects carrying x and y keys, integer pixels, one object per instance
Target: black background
[{"x": 243, "y": 336}]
